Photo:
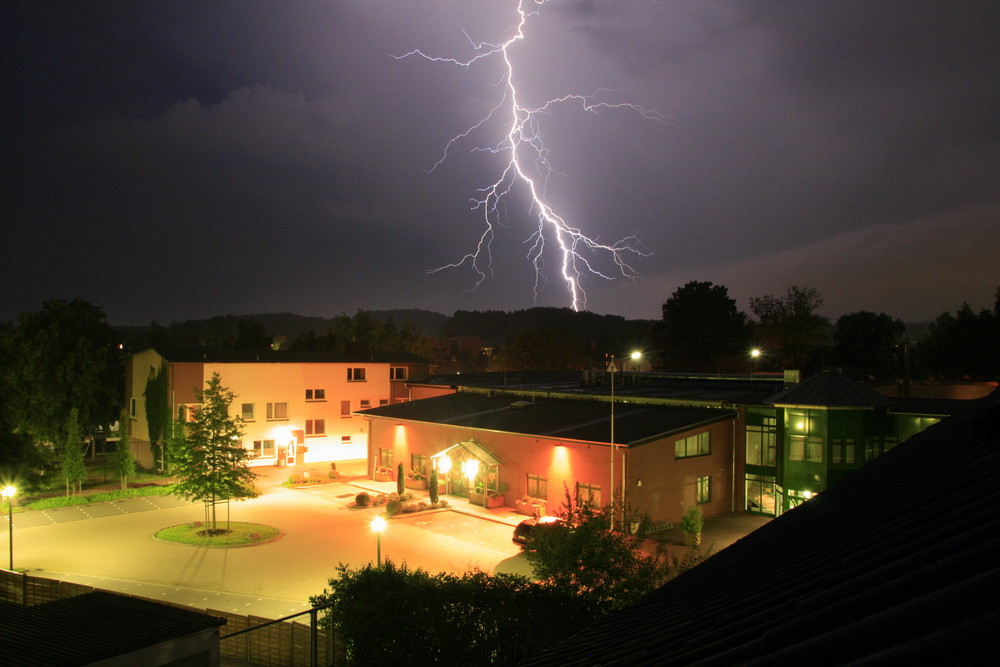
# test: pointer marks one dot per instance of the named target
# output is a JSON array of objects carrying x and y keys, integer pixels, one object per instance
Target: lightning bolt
[{"x": 528, "y": 164}]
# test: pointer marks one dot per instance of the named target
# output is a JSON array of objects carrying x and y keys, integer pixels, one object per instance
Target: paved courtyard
[{"x": 112, "y": 545}]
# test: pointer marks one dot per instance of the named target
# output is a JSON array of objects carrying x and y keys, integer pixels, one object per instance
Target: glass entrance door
[{"x": 761, "y": 497}]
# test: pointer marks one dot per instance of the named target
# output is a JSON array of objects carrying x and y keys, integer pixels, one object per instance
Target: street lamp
[
  {"x": 8, "y": 493},
  {"x": 378, "y": 525},
  {"x": 754, "y": 355}
]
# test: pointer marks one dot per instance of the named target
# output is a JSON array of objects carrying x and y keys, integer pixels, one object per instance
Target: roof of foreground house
[
  {"x": 895, "y": 564},
  {"x": 92, "y": 627},
  {"x": 569, "y": 419}
]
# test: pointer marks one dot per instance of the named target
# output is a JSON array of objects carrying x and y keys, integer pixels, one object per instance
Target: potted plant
[
  {"x": 691, "y": 525},
  {"x": 477, "y": 496},
  {"x": 494, "y": 499},
  {"x": 416, "y": 479}
]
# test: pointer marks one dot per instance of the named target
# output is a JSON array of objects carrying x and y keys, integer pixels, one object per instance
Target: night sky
[{"x": 177, "y": 160}]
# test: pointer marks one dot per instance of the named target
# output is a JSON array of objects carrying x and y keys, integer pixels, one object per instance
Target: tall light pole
[
  {"x": 378, "y": 525},
  {"x": 8, "y": 493},
  {"x": 754, "y": 355}
]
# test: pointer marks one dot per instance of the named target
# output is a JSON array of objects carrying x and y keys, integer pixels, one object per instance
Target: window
[
  {"x": 383, "y": 401},
  {"x": 277, "y": 411},
  {"x": 761, "y": 443},
  {"x": 247, "y": 412},
  {"x": 704, "y": 489},
  {"x": 315, "y": 427},
  {"x": 842, "y": 450},
  {"x": 187, "y": 411},
  {"x": 365, "y": 404},
  {"x": 263, "y": 448},
  {"x": 538, "y": 487},
  {"x": 345, "y": 439},
  {"x": 588, "y": 493},
  {"x": 315, "y": 394},
  {"x": 806, "y": 448},
  {"x": 345, "y": 408},
  {"x": 355, "y": 374},
  {"x": 418, "y": 462},
  {"x": 385, "y": 458},
  {"x": 133, "y": 408},
  {"x": 397, "y": 372},
  {"x": 695, "y": 445}
]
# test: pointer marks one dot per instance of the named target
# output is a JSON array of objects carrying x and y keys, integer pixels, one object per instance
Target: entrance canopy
[{"x": 465, "y": 449}]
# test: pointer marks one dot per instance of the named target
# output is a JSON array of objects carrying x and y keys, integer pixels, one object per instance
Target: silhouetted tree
[
  {"x": 866, "y": 344},
  {"x": 788, "y": 327},
  {"x": 541, "y": 349},
  {"x": 63, "y": 357},
  {"x": 702, "y": 330}
]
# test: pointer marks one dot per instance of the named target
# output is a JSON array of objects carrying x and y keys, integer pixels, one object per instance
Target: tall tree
[
  {"x": 702, "y": 330},
  {"x": 157, "y": 403},
  {"x": 211, "y": 461},
  {"x": 789, "y": 327},
  {"x": 865, "y": 344},
  {"x": 73, "y": 467},
  {"x": 124, "y": 464},
  {"x": 63, "y": 357}
]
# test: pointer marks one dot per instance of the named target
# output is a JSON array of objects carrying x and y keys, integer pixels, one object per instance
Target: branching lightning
[{"x": 524, "y": 146}]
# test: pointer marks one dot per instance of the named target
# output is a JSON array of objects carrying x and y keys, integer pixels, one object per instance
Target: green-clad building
[{"x": 812, "y": 434}]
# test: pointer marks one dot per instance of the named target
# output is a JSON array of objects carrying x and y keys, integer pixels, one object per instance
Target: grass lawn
[{"x": 240, "y": 534}]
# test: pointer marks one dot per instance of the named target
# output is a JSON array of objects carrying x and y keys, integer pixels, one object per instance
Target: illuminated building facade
[{"x": 296, "y": 408}]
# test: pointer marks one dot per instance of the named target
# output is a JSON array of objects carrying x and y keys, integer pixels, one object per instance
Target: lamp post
[
  {"x": 612, "y": 369},
  {"x": 8, "y": 493},
  {"x": 754, "y": 355},
  {"x": 378, "y": 525}
]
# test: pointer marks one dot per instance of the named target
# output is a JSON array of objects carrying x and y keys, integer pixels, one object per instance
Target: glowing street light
[
  {"x": 8, "y": 493},
  {"x": 754, "y": 356},
  {"x": 378, "y": 525}
]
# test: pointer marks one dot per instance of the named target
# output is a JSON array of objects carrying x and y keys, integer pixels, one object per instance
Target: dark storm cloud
[{"x": 183, "y": 159}]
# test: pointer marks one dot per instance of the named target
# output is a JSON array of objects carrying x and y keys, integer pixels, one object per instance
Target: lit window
[
  {"x": 315, "y": 427},
  {"x": 263, "y": 448},
  {"x": 538, "y": 487},
  {"x": 355, "y": 374},
  {"x": 695, "y": 445},
  {"x": 315, "y": 394},
  {"x": 588, "y": 493},
  {"x": 247, "y": 412},
  {"x": 277, "y": 411},
  {"x": 704, "y": 489}
]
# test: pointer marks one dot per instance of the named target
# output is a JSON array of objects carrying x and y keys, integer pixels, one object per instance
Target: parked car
[{"x": 528, "y": 529}]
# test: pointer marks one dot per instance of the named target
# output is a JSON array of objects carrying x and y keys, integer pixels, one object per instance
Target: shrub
[
  {"x": 408, "y": 495},
  {"x": 692, "y": 521},
  {"x": 363, "y": 499},
  {"x": 433, "y": 488},
  {"x": 400, "y": 480},
  {"x": 393, "y": 507},
  {"x": 333, "y": 474},
  {"x": 394, "y": 496},
  {"x": 443, "y": 502},
  {"x": 294, "y": 478}
]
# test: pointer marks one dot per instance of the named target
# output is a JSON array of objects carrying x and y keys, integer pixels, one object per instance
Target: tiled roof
[
  {"x": 91, "y": 627},
  {"x": 582, "y": 419},
  {"x": 833, "y": 390},
  {"x": 896, "y": 564}
]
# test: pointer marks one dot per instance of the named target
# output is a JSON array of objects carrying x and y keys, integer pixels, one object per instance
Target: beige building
[{"x": 296, "y": 407}]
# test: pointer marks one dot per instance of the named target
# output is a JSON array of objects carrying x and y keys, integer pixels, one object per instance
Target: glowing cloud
[{"x": 528, "y": 166}]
